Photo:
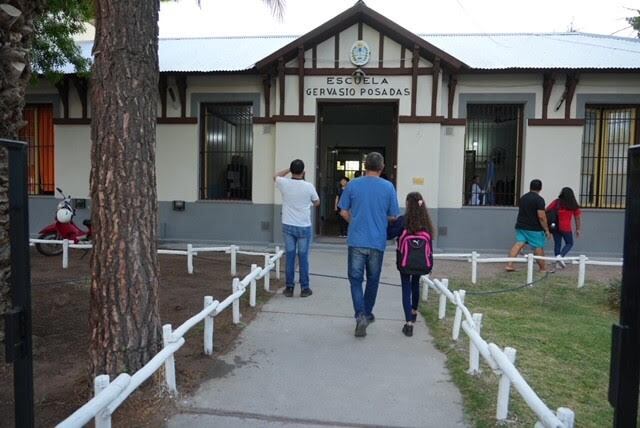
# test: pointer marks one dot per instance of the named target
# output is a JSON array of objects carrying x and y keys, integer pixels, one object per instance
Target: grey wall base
[{"x": 484, "y": 229}]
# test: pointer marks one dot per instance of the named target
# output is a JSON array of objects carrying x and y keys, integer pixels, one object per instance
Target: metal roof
[
  {"x": 478, "y": 51},
  {"x": 540, "y": 50}
]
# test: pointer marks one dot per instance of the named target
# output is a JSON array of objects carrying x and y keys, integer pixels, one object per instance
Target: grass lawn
[{"x": 562, "y": 337}]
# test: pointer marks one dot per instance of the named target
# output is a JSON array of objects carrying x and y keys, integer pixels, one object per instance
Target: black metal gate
[
  {"x": 18, "y": 345},
  {"x": 625, "y": 347}
]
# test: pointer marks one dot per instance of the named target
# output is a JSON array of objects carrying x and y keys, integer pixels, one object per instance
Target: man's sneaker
[
  {"x": 408, "y": 330},
  {"x": 361, "y": 326},
  {"x": 562, "y": 264},
  {"x": 371, "y": 318},
  {"x": 288, "y": 292},
  {"x": 306, "y": 292}
]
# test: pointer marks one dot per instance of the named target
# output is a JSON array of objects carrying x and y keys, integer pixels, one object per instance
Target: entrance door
[{"x": 347, "y": 132}]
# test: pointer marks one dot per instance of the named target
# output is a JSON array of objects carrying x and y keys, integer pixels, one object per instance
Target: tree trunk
[
  {"x": 124, "y": 317},
  {"x": 16, "y": 39}
]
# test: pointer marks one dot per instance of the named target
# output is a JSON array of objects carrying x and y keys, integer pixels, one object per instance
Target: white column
[
  {"x": 474, "y": 353},
  {"x": 252, "y": 288},
  {"x": 65, "y": 253},
  {"x": 208, "y": 328},
  {"x": 529, "y": 268},
  {"x": 170, "y": 363},
  {"x": 234, "y": 266},
  {"x": 504, "y": 387},
  {"x": 277, "y": 262},
  {"x": 457, "y": 321},
  {"x": 103, "y": 418},
  {"x": 474, "y": 267},
  {"x": 236, "y": 303},
  {"x": 190, "y": 258}
]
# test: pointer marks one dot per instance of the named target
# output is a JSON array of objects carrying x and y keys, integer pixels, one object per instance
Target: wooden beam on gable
[
  {"x": 570, "y": 90},
  {"x": 359, "y": 30},
  {"x": 381, "y": 51},
  {"x": 547, "y": 87},
  {"x": 82, "y": 87},
  {"x": 181, "y": 83},
  {"x": 63, "y": 90},
  {"x": 314, "y": 56},
  {"x": 402, "y": 54},
  {"x": 453, "y": 82},
  {"x": 435, "y": 80},
  {"x": 281, "y": 84},
  {"x": 336, "y": 51},
  {"x": 301, "y": 80},
  {"x": 414, "y": 79},
  {"x": 162, "y": 87},
  {"x": 266, "y": 88}
]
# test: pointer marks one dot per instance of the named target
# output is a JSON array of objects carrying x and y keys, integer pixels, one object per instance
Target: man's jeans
[
  {"x": 297, "y": 239},
  {"x": 361, "y": 259}
]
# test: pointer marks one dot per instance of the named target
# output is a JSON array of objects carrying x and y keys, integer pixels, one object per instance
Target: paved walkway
[{"x": 299, "y": 365}]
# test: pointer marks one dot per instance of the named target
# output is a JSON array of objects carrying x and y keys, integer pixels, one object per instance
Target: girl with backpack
[
  {"x": 414, "y": 254},
  {"x": 566, "y": 208}
]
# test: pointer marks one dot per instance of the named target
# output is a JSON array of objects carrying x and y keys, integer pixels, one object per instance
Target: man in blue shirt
[{"x": 367, "y": 203}]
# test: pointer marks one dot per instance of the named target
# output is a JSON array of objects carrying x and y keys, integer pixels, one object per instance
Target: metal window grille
[
  {"x": 226, "y": 151},
  {"x": 493, "y": 147},
  {"x": 608, "y": 133},
  {"x": 38, "y": 133}
]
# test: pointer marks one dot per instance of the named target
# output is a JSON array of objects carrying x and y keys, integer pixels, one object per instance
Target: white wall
[
  {"x": 419, "y": 159},
  {"x": 295, "y": 141},
  {"x": 73, "y": 159},
  {"x": 553, "y": 155},
  {"x": 177, "y": 162},
  {"x": 451, "y": 179},
  {"x": 263, "y": 163},
  {"x": 221, "y": 84}
]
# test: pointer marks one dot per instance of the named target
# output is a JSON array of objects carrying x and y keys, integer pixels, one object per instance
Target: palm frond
[{"x": 277, "y": 8}]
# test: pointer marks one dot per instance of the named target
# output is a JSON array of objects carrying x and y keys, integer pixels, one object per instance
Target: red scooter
[{"x": 63, "y": 228}]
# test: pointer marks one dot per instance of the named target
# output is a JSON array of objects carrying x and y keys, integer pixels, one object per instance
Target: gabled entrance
[{"x": 347, "y": 131}]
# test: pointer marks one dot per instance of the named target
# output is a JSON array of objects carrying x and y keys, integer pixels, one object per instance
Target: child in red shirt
[{"x": 567, "y": 208}]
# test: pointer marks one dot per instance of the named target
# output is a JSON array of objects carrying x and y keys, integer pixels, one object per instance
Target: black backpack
[
  {"x": 414, "y": 254},
  {"x": 552, "y": 220}
]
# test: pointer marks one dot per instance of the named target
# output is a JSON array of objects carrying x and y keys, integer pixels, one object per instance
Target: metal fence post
[
  {"x": 190, "y": 258},
  {"x": 504, "y": 387},
  {"x": 474, "y": 353},
  {"x": 170, "y": 363},
  {"x": 267, "y": 276},
  {"x": 252, "y": 288},
  {"x": 235, "y": 286},
  {"x": 457, "y": 321},
  {"x": 208, "y": 327},
  {"x": 277, "y": 262},
  {"x": 442, "y": 307},
  {"x": 103, "y": 418},
  {"x": 582, "y": 270},
  {"x": 567, "y": 417},
  {"x": 234, "y": 254},
  {"x": 65, "y": 253},
  {"x": 474, "y": 267},
  {"x": 425, "y": 289},
  {"x": 529, "y": 268}
]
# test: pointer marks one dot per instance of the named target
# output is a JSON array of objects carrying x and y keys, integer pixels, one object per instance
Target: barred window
[
  {"x": 493, "y": 145},
  {"x": 226, "y": 151},
  {"x": 608, "y": 133},
  {"x": 38, "y": 133}
]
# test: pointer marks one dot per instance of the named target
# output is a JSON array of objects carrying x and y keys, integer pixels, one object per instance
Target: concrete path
[{"x": 299, "y": 365}]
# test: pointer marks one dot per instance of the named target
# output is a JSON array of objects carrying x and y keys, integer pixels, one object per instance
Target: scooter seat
[{"x": 87, "y": 222}]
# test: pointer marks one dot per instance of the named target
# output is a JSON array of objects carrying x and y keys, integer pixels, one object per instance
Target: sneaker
[
  {"x": 371, "y": 318},
  {"x": 288, "y": 292},
  {"x": 361, "y": 326},
  {"x": 562, "y": 264},
  {"x": 306, "y": 292},
  {"x": 408, "y": 330}
]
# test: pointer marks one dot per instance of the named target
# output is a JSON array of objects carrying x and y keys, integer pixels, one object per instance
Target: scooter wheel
[{"x": 49, "y": 249}]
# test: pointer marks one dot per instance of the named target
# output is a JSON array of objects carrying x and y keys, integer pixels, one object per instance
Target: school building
[{"x": 442, "y": 109}]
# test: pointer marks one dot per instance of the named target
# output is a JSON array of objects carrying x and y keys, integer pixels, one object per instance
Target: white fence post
[
  {"x": 474, "y": 353},
  {"x": 234, "y": 254},
  {"x": 208, "y": 327},
  {"x": 457, "y": 321},
  {"x": 277, "y": 262},
  {"x": 267, "y": 276},
  {"x": 582, "y": 270},
  {"x": 252, "y": 288},
  {"x": 442, "y": 307},
  {"x": 236, "y": 303},
  {"x": 567, "y": 417},
  {"x": 103, "y": 418},
  {"x": 65, "y": 253},
  {"x": 170, "y": 363},
  {"x": 474, "y": 267},
  {"x": 529, "y": 268},
  {"x": 504, "y": 387},
  {"x": 190, "y": 258},
  {"x": 425, "y": 289}
]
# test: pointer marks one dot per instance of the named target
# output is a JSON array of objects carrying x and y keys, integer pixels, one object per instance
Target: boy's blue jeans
[
  {"x": 359, "y": 261},
  {"x": 296, "y": 241}
]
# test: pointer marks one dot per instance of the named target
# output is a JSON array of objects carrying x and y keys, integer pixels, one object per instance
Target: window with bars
[
  {"x": 608, "y": 133},
  {"x": 226, "y": 151},
  {"x": 38, "y": 133},
  {"x": 493, "y": 146}
]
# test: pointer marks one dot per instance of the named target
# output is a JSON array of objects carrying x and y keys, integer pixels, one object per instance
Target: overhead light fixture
[{"x": 358, "y": 75}]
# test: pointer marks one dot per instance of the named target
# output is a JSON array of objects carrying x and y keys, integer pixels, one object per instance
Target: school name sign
[{"x": 362, "y": 86}]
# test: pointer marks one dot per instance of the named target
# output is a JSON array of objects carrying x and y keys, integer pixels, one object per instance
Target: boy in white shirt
[{"x": 298, "y": 197}]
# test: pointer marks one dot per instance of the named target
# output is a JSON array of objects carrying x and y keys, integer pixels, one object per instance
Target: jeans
[
  {"x": 410, "y": 295},
  {"x": 297, "y": 240},
  {"x": 361, "y": 259},
  {"x": 557, "y": 243}
]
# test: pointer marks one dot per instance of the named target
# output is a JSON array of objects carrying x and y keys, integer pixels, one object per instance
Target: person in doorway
[
  {"x": 476, "y": 191},
  {"x": 531, "y": 225},
  {"x": 357, "y": 174},
  {"x": 413, "y": 260},
  {"x": 342, "y": 223},
  {"x": 368, "y": 204},
  {"x": 297, "y": 198},
  {"x": 567, "y": 208}
]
